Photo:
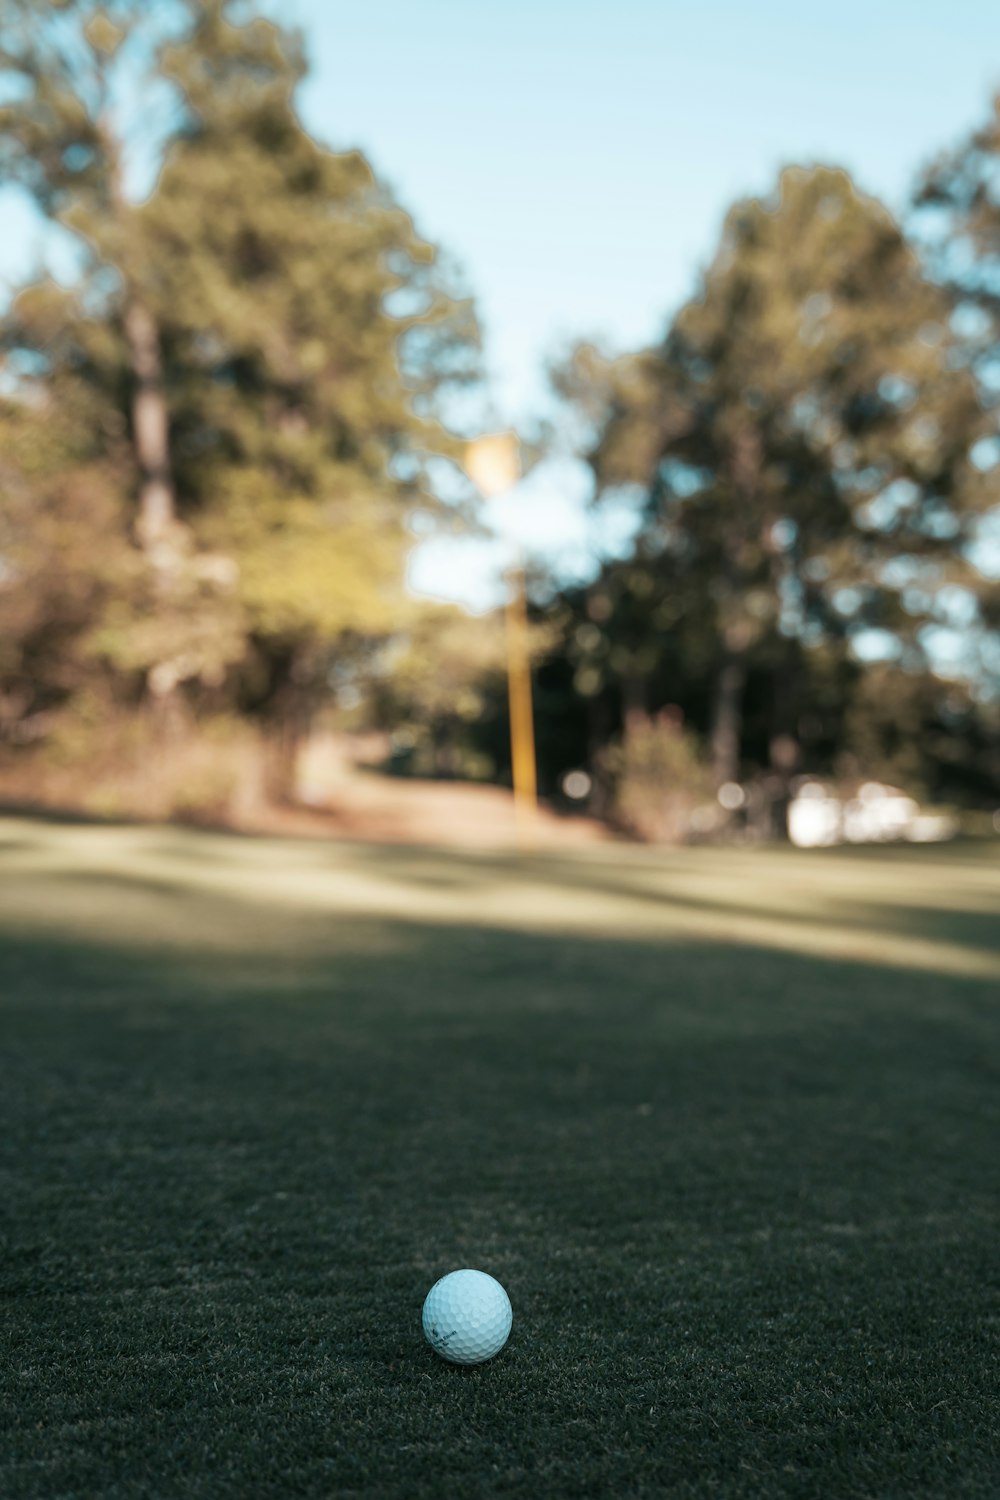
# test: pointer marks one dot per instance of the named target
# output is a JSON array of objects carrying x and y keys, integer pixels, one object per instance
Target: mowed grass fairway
[{"x": 725, "y": 1124}]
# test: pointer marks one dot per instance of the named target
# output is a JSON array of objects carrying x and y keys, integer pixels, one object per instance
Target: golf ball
[{"x": 467, "y": 1317}]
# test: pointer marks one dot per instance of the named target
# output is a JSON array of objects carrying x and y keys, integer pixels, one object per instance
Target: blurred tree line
[
  {"x": 211, "y": 442},
  {"x": 811, "y": 449},
  {"x": 216, "y": 440}
]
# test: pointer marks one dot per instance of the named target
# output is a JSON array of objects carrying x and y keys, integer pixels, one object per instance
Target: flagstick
[
  {"x": 493, "y": 463},
  {"x": 522, "y": 729}
]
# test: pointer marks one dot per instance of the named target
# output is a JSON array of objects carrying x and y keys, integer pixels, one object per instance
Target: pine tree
[
  {"x": 308, "y": 335},
  {"x": 797, "y": 435},
  {"x": 60, "y": 139},
  {"x": 958, "y": 220},
  {"x": 276, "y": 344}
]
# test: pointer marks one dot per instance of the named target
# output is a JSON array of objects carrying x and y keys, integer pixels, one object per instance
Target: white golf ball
[{"x": 467, "y": 1317}]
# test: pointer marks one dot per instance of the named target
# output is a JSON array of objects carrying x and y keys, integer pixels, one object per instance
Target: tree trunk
[
  {"x": 282, "y": 742},
  {"x": 727, "y": 718},
  {"x": 598, "y": 734},
  {"x": 783, "y": 748},
  {"x": 288, "y": 719},
  {"x": 744, "y": 472},
  {"x": 150, "y": 431},
  {"x": 634, "y": 713}
]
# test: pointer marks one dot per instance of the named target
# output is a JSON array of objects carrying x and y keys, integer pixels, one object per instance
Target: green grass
[{"x": 726, "y": 1126}]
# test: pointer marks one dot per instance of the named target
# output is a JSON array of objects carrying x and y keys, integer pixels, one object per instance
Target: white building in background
[
  {"x": 876, "y": 814},
  {"x": 815, "y": 817}
]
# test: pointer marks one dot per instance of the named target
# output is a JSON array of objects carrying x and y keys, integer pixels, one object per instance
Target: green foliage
[
  {"x": 812, "y": 441},
  {"x": 298, "y": 393},
  {"x": 800, "y": 439},
  {"x": 959, "y": 189},
  {"x": 299, "y": 339},
  {"x": 962, "y": 244},
  {"x": 60, "y": 554},
  {"x": 439, "y": 668},
  {"x": 797, "y": 428},
  {"x": 440, "y": 687},
  {"x": 939, "y": 741},
  {"x": 659, "y": 779}
]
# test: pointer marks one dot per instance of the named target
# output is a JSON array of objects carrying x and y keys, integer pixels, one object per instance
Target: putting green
[{"x": 724, "y": 1124}]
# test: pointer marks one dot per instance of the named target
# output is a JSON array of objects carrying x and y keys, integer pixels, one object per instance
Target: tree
[
  {"x": 939, "y": 741},
  {"x": 62, "y": 544},
  {"x": 794, "y": 437},
  {"x": 279, "y": 337},
  {"x": 309, "y": 334},
  {"x": 60, "y": 64},
  {"x": 440, "y": 688},
  {"x": 958, "y": 218}
]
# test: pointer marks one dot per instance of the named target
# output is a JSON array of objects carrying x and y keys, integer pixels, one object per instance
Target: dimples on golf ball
[{"x": 467, "y": 1317}]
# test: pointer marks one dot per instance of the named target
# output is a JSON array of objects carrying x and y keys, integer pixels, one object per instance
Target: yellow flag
[{"x": 493, "y": 463}]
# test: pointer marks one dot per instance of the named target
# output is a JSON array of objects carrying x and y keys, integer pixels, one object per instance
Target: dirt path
[{"x": 388, "y": 809}]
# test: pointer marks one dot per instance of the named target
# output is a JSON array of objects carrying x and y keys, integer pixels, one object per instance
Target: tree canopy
[
  {"x": 265, "y": 343},
  {"x": 800, "y": 439}
]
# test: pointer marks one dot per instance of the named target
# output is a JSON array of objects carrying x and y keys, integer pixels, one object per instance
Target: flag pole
[
  {"x": 522, "y": 727},
  {"x": 493, "y": 463}
]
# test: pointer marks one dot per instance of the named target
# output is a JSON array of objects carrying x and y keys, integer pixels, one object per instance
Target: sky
[{"x": 577, "y": 158}]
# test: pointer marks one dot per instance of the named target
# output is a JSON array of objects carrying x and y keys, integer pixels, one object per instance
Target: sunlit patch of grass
[{"x": 927, "y": 908}]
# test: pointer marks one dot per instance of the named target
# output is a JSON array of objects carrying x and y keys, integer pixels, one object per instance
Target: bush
[
  {"x": 125, "y": 765},
  {"x": 658, "y": 778}
]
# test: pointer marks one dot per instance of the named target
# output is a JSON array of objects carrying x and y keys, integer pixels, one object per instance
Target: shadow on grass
[{"x": 743, "y": 1200}]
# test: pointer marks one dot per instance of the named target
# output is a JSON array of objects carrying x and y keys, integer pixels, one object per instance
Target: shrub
[{"x": 659, "y": 779}]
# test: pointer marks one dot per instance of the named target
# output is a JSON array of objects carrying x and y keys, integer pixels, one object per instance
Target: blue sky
[{"x": 577, "y": 159}]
